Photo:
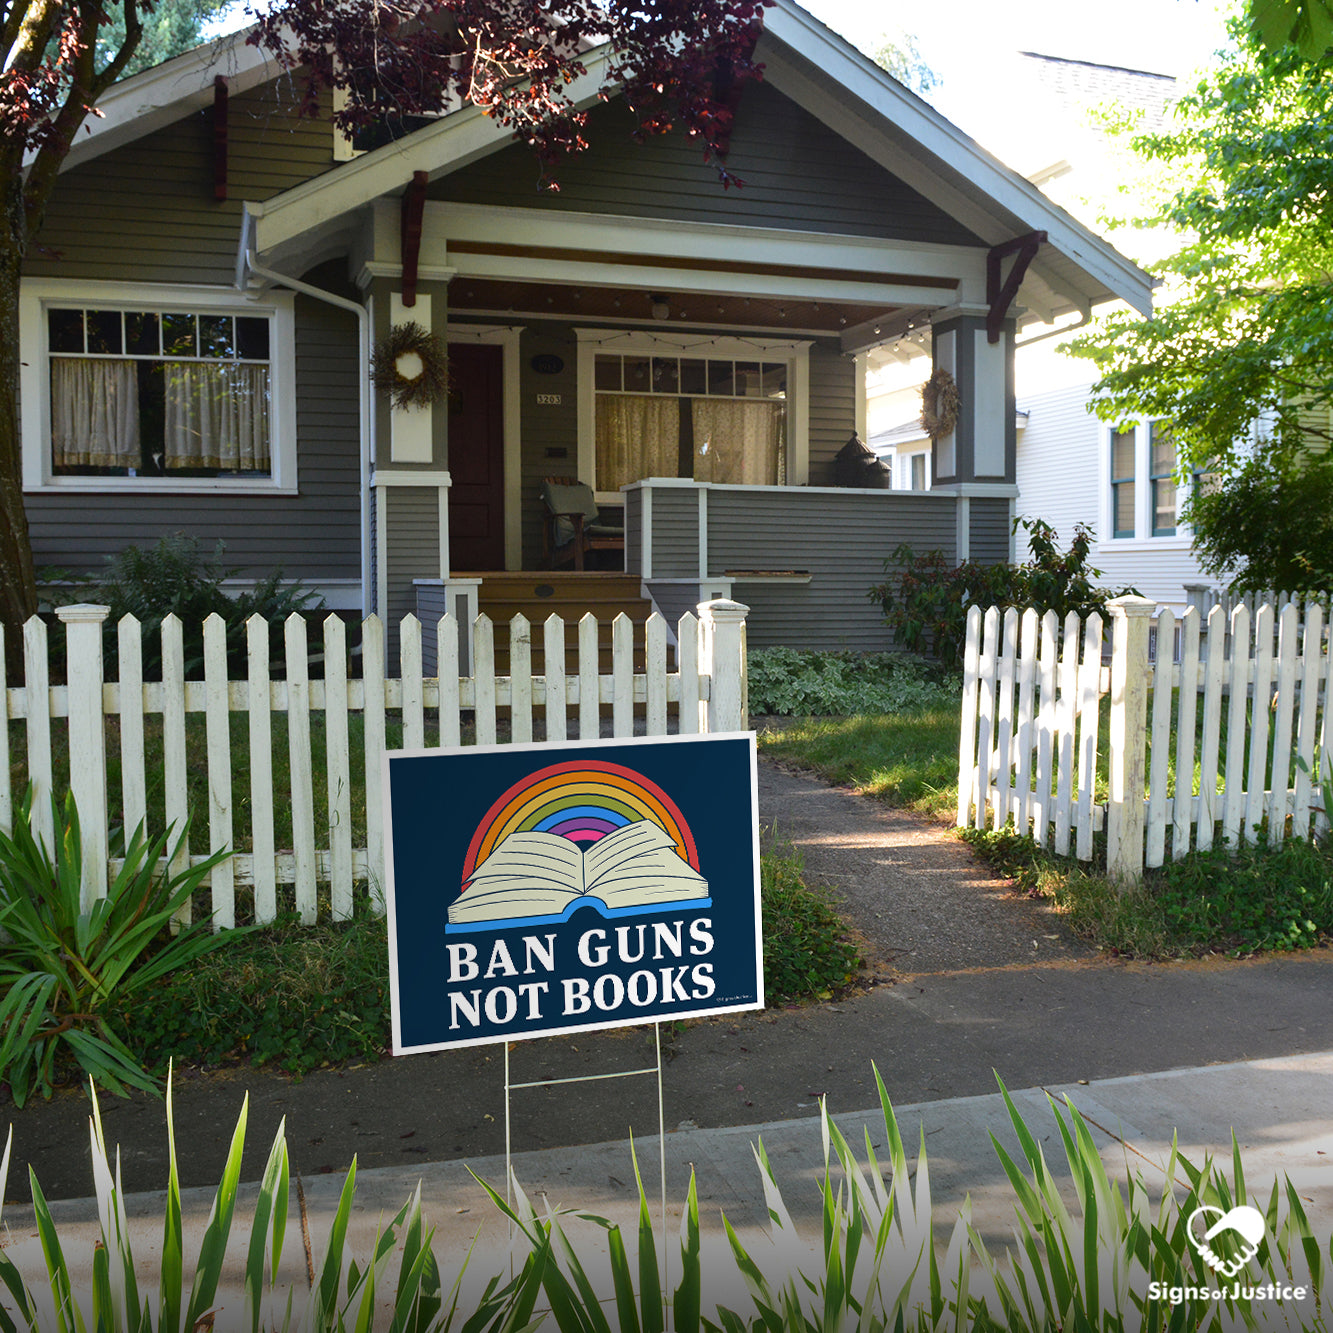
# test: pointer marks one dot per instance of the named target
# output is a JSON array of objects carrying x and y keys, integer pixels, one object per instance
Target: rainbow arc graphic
[{"x": 583, "y": 801}]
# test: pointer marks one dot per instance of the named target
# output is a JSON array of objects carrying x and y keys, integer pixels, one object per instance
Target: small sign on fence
[{"x": 543, "y": 889}]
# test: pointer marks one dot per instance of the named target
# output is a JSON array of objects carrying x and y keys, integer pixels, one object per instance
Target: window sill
[
  {"x": 1173, "y": 543},
  {"x": 123, "y": 486}
]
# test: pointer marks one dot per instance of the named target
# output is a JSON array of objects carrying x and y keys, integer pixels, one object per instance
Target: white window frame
[
  {"x": 1143, "y": 538},
  {"x": 37, "y": 296},
  {"x": 794, "y": 354}
]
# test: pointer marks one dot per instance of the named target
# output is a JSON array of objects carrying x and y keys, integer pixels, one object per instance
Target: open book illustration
[{"x": 532, "y": 877}]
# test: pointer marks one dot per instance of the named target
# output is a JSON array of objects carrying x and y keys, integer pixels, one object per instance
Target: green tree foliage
[
  {"x": 899, "y": 54},
  {"x": 1239, "y": 352},
  {"x": 171, "y": 29}
]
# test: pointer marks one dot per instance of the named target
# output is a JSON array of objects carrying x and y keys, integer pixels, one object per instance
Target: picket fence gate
[
  {"x": 704, "y": 690},
  {"x": 1244, "y": 719}
]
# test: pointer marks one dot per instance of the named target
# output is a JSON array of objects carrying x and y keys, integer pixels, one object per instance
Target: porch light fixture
[{"x": 661, "y": 308}]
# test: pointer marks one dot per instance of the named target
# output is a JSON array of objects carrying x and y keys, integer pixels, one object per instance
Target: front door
[{"x": 476, "y": 457}]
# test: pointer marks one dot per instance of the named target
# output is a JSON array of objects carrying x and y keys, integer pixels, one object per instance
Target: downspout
[{"x": 252, "y": 265}]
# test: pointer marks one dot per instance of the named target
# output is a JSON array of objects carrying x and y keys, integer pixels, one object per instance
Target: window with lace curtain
[
  {"x": 705, "y": 418},
  {"x": 159, "y": 393}
]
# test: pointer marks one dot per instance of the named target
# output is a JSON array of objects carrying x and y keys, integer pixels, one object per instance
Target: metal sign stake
[{"x": 511, "y": 1087}]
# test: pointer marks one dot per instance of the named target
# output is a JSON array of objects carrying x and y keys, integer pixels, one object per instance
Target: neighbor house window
[
  {"x": 918, "y": 462},
  {"x": 1162, "y": 476},
  {"x": 1122, "y": 482},
  {"x": 705, "y": 418},
  {"x": 156, "y": 392}
]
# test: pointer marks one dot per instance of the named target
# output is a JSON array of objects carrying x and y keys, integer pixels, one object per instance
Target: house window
[
  {"x": 706, "y": 418},
  {"x": 918, "y": 462},
  {"x": 1122, "y": 482},
  {"x": 1162, "y": 476},
  {"x": 166, "y": 388}
]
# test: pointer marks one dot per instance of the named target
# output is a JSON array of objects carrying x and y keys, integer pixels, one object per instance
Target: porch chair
[{"x": 573, "y": 525}]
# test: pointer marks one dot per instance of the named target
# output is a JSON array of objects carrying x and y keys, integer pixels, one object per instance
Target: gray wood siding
[
  {"x": 634, "y": 532},
  {"x": 412, "y": 514},
  {"x": 312, "y": 535},
  {"x": 152, "y": 200},
  {"x": 832, "y": 408},
  {"x": 988, "y": 531},
  {"x": 675, "y": 533},
  {"x": 673, "y": 600},
  {"x": 797, "y": 173},
  {"x": 842, "y": 539}
]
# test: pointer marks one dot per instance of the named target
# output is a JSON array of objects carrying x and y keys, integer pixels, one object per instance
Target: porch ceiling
[{"x": 621, "y": 304}]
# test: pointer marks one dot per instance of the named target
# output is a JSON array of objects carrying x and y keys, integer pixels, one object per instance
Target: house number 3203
[{"x": 548, "y": 400}]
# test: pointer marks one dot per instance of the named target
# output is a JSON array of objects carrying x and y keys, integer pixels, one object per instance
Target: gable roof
[{"x": 803, "y": 59}]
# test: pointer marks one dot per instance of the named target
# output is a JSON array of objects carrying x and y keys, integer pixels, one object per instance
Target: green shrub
[
  {"x": 175, "y": 577},
  {"x": 842, "y": 684},
  {"x": 64, "y": 971},
  {"x": 291, "y": 995},
  {"x": 926, "y": 599},
  {"x": 806, "y": 951}
]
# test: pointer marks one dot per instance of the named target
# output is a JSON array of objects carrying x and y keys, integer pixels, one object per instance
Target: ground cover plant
[
  {"x": 304, "y": 997},
  {"x": 787, "y": 681},
  {"x": 1101, "y": 1253}
]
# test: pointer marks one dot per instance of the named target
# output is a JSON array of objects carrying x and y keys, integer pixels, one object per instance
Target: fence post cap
[
  {"x": 82, "y": 612},
  {"x": 723, "y": 608},
  {"x": 1132, "y": 605}
]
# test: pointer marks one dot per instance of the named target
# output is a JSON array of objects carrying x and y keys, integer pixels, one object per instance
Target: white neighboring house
[{"x": 1071, "y": 467}]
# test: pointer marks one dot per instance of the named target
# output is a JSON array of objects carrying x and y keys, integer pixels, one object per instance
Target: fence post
[
  {"x": 722, "y": 658},
  {"x": 1128, "y": 738},
  {"x": 87, "y": 740}
]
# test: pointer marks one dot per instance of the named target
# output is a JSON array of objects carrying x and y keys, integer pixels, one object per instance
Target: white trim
[
  {"x": 703, "y": 532},
  {"x": 167, "y": 93},
  {"x": 645, "y": 535},
  {"x": 986, "y": 492},
  {"x": 382, "y": 552},
  {"x": 509, "y": 339},
  {"x": 411, "y": 429},
  {"x": 830, "y": 78},
  {"x": 963, "y": 529},
  {"x": 338, "y": 594},
  {"x": 404, "y": 476},
  {"x": 977, "y": 490},
  {"x": 442, "y": 508},
  {"x": 37, "y": 294},
  {"x": 794, "y": 352}
]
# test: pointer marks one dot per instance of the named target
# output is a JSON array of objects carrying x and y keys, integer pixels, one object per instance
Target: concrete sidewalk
[{"x": 1279, "y": 1109}]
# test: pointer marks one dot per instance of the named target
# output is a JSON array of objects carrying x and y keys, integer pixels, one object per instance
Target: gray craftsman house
[{"x": 215, "y": 271}]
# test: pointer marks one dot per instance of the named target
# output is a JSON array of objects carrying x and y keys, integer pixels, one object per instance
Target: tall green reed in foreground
[{"x": 1088, "y": 1256}]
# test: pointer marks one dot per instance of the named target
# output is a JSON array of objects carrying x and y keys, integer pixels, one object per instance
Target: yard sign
[{"x": 543, "y": 889}]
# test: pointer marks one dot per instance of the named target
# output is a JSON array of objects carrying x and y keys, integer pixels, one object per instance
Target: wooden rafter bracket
[
  {"x": 1000, "y": 295},
  {"x": 413, "y": 210}
]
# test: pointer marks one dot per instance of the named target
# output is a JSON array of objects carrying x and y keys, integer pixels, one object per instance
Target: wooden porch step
[{"x": 569, "y": 595}]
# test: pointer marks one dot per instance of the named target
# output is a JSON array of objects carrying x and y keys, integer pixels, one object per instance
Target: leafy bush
[
  {"x": 926, "y": 600},
  {"x": 806, "y": 952},
  {"x": 65, "y": 971},
  {"x": 1086, "y": 1258},
  {"x": 842, "y": 684},
  {"x": 175, "y": 577},
  {"x": 296, "y": 996},
  {"x": 1251, "y": 897}
]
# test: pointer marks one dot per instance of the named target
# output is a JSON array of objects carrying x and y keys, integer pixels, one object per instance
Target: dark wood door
[{"x": 476, "y": 457}]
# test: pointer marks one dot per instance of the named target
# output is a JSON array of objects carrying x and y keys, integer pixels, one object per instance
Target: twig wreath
[
  {"x": 411, "y": 365},
  {"x": 939, "y": 403}
]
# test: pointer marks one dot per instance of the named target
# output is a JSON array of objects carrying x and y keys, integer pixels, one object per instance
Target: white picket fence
[
  {"x": 1236, "y": 712},
  {"x": 703, "y": 690}
]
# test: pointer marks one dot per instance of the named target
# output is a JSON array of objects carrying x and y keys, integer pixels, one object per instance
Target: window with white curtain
[
  {"x": 159, "y": 393},
  {"x": 706, "y": 418}
]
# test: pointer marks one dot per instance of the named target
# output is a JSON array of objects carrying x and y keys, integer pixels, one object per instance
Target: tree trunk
[{"x": 18, "y": 585}]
